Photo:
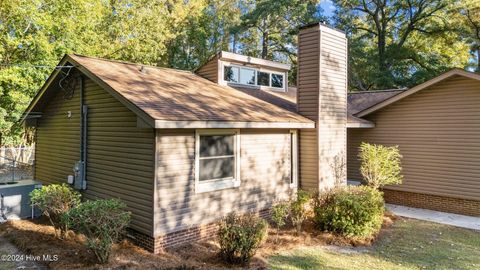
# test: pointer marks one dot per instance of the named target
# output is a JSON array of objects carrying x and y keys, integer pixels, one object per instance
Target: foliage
[
  {"x": 299, "y": 209},
  {"x": 54, "y": 201},
  {"x": 279, "y": 215},
  {"x": 380, "y": 165},
  {"x": 350, "y": 211},
  {"x": 399, "y": 43},
  {"x": 240, "y": 236},
  {"x": 269, "y": 28},
  {"x": 468, "y": 18},
  {"x": 102, "y": 222}
]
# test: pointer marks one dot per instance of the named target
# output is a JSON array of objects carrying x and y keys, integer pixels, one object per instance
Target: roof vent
[{"x": 143, "y": 69}]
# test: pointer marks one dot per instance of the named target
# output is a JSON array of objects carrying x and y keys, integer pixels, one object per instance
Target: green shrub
[
  {"x": 240, "y": 236},
  {"x": 380, "y": 165},
  {"x": 350, "y": 211},
  {"x": 102, "y": 222},
  {"x": 54, "y": 201},
  {"x": 299, "y": 209},
  {"x": 279, "y": 215}
]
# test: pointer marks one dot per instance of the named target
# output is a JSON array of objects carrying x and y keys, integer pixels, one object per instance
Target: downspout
[{"x": 81, "y": 166}]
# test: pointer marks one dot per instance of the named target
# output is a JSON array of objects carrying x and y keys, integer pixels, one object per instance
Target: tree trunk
[
  {"x": 265, "y": 45},
  {"x": 381, "y": 43}
]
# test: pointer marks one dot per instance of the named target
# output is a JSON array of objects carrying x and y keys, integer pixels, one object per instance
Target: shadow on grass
[
  {"x": 429, "y": 245},
  {"x": 408, "y": 244}
]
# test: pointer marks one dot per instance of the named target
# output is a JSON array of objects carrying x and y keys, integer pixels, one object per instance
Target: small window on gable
[
  {"x": 277, "y": 80},
  {"x": 216, "y": 159},
  {"x": 231, "y": 74},
  {"x": 263, "y": 78}
]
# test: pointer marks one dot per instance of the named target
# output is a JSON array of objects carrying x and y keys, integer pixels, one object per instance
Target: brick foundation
[
  {"x": 179, "y": 238},
  {"x": 433, "y": 202}
]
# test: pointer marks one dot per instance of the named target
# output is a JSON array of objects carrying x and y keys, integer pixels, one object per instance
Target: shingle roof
[
  {"x": 359, "y": 101},
  {"x": 175, "y": 95}
]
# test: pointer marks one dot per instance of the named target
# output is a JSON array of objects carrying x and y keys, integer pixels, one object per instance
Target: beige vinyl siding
[
  {"x": 332, "y": 122},
  {"x": 322, "y": 97},
  {"x": 120, "y": 156},
  {"x": 58, "y": 138},
  {"x": 438, "y": 132},
  {"x": 209, "y": 70},
  {"x": 265, "y": 175},
  {"x": 307, "y": 104}
]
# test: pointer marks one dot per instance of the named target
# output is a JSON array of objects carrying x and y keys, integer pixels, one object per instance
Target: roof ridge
[
  {"x": 377, "y": 91},
  {"x": 129, "y": 63}
]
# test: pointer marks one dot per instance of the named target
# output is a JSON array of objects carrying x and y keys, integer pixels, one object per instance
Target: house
[
  {"x": 437, "y": 128},
  {"x": 183, "y": 149}
]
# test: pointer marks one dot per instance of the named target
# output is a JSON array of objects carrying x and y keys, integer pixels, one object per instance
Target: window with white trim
[
  {"x": 217, "y": 159},
  {"x": 293, "y": 159},
  {"x": 253, "y": 77}
]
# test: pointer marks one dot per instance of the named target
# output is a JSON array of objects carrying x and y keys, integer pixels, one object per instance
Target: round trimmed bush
[{"x": 350, "y": 211}]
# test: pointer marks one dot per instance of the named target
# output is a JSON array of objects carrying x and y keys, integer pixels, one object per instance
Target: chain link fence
[{"x": 16, "y": 163}]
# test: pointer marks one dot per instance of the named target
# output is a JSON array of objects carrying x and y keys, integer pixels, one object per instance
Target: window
[
  {"x": 277, "y": 80},
  {"x": 252, "y": 76},
  {"x": 216, "y": 159},
  {"x": 247, "y": 76},
  {"x": 230, "y": 74},
  {"x": 293, "y": 159},
  {"x": 263, "y": 78}
]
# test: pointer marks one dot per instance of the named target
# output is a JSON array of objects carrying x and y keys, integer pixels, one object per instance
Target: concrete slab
[{"x": 436, "y": 216}]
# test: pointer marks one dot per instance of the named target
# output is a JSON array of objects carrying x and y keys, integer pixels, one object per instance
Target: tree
[
  {"x": 380, "y": 165},
  {"x": 35, "y": 34},
  {"x": 269, "y": 28},
  {"x": 469, "y": 11},
  {"x": 397, "y": 43}
]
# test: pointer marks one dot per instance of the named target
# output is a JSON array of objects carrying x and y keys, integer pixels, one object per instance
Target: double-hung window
[{"x": 217, "y": 160}]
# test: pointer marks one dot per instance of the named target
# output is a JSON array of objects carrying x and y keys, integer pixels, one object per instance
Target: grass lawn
[{"x": 407, "y": 244}]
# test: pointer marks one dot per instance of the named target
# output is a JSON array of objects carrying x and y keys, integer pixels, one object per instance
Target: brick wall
[
  {"x": 179, "y": 238},
  {"x": 433, "y": 202}
]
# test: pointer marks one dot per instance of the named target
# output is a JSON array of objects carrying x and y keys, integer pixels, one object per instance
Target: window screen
[{"x": 217, "y": 157}]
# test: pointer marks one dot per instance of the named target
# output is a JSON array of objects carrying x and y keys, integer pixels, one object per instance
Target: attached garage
[{"x": 437, "y": 128}]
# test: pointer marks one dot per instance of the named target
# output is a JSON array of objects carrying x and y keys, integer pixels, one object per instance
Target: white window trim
[
  {"x": 294, "y": 156},
  {"x": 255, "y": 86},
  {"x": 217, "y": 184}
]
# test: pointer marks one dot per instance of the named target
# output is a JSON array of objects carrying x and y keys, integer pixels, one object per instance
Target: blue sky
[{"x": 327, "y": 7}]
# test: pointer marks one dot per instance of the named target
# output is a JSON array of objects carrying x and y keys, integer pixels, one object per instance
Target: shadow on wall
[
  {"x": 265, "y": 176},
  {"x": 333, "y": 116}
]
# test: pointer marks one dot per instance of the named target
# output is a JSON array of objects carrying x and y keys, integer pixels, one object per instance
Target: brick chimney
[{"x": 322, "y": 97}]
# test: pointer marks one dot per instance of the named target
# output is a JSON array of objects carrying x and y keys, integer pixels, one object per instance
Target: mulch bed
[{"x": 37, "y": 237}]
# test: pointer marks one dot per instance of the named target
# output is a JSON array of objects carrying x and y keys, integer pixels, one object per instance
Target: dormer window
[
  {"x": 253, "y": 77},
  {"x": 277, "y": 80},
  {"x": 247, "y": 76},
  {"x": 231, "y": 74}
]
